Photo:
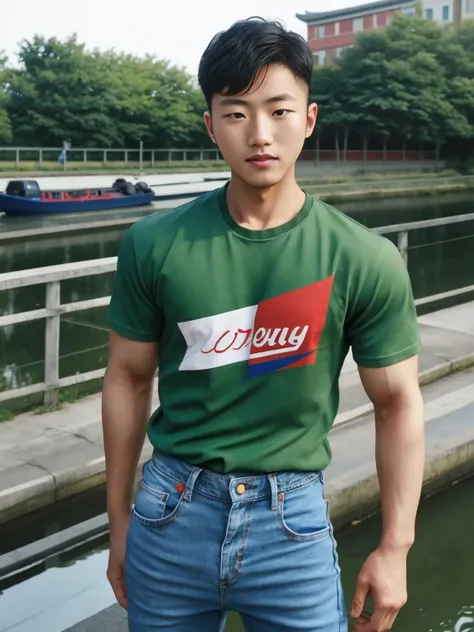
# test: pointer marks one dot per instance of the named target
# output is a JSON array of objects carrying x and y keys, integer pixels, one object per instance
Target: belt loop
[
  {"x": 274, "y": 488},
  {"x": 188, "y": 492}
]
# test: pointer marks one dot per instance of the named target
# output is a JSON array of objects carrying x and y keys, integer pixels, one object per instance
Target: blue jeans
[{"x": 201, "y": 543}]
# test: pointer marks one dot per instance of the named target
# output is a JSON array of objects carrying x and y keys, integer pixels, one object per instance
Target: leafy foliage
[
  {"x": 5, "y": 124},
  {"x": 62, "y": 92},
  {"x": 413, "y": 80},
  {"x": 410, "y": 82}
]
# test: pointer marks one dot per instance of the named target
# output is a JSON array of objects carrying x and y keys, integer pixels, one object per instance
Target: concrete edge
[
  {"x": 14, "y": 561},
  {"x": 360, "y": 500},
  {"x": 347, "y": 504},
  {"x": 428, "y": 376},
  {"x": 27, "y": 497},
  {"x": 21, "y": 499}
]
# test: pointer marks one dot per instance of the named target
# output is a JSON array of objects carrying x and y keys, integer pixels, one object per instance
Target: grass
[
  {"x": 331, "y": 198},
  {"x": 5, "y": 414},
  {"x": 379, "y": 177},
  {"x": 67, "y": 395},
  {"x": 9, "y": 169},
  {"x": 32, "y": 168}
]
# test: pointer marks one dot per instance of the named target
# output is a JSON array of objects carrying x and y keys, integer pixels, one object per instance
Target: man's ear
[
  {"x": 209, "y": 126},
  {"x": 311, "y": 119}
]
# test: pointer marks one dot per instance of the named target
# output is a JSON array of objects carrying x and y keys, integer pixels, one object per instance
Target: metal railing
[
  {"x": 120, "y": 154},
  {"x": 151, "y": 156},
  {"x": 51, "y": 277}
]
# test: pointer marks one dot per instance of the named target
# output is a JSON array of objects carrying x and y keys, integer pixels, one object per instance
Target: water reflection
[
  {"x": 440, "y": 259},
  {"x": 58, "y": 598},
  {"x": 440, "y": 586}
]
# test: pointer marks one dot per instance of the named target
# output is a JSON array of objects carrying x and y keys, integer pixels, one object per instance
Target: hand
[
  {"x": 116, "y": 566},
  {"x": 384, "y": 576}
]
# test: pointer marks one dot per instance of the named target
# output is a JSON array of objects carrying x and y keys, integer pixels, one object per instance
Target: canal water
[
  {"x": 440, "y": 259},
  {"x": 71, "y": 587}
]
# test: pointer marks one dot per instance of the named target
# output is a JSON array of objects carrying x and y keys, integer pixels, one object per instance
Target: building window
[
  {"x": 337, "y": 28},
  {"x": 429, "y": 14},
  {"x": 322, "y": 58},
  {"x": 446, "y": 13},
  {"x": 469, "y": 6},
  {"x": 357, "y": 25},
  {"x": 321, "y": 31}
]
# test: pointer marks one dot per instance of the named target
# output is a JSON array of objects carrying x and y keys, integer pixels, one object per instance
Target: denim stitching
[
  {"x": 299, "y": 537},
  {"x": 301, "y": 483},
  {"x": 241, "y": 554},
  {"x": 340, "y": 600},
  {"x": 163, "y": 496}
]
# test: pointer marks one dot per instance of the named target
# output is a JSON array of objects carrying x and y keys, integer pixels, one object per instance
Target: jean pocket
[
  {"x": 303, "y": 513},
  {"x": 159, "y": 498}
]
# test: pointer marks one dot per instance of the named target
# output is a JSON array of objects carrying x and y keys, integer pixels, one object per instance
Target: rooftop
[{"x": 349, "y": 12}]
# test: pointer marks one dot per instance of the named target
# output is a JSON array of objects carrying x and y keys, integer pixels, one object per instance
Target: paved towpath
[{"x": 49, "y": 456}]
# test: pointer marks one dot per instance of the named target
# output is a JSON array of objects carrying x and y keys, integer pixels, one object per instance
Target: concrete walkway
[
  {"x": 351, "y": 478},
  {"x": 51, "y": 456},
  {"x": 350, "y": 481}
]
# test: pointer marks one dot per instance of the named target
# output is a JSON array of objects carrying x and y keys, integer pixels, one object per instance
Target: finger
[
  {"x": 358, "y": 601},
  {"x": 389, "y": 620},
  {"x": 363, "y": 625},
  {"x": 119, "y": 593},
  {"x": 381, "y": 620},
  {"x": 117, "y": 583}
]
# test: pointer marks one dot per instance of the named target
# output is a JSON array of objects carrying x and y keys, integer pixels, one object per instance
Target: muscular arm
[
  {"x": 126, "y": 401},
  {"x": 400, "y": 447}
]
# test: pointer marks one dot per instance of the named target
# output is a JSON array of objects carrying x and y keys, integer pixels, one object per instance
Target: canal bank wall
[{"x": 44, "y": 458}]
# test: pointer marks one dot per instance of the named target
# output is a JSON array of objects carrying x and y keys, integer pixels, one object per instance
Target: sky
[{"x": 176, "y": 30}]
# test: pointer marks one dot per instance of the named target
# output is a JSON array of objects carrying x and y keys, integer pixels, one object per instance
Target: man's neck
[{"x": 259, "y": 209}]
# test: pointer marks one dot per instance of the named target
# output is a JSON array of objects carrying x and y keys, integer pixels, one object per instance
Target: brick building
[{"x": 330, "y": 32}]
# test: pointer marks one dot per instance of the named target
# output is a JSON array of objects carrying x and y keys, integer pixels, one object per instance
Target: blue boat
[{"x": 24, "y": 197}]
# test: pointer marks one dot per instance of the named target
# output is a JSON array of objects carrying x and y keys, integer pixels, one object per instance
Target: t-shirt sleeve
[
  {"x": 134, "y": 311},
  {"x": 383, "y": 327}
]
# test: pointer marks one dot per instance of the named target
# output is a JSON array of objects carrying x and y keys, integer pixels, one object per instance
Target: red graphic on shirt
[{"x": 287, "y": 328}]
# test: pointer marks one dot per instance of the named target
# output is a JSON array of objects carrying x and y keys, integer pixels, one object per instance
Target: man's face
[{"x": 261, "y": 134}]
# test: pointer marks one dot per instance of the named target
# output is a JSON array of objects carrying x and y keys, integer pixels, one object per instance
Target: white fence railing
[
  {"x": 51, "y": 277},
  {"x": 86, "y": 155}
]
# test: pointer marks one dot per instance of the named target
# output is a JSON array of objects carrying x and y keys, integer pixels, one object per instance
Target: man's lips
[{"x": 261, "y": 158}]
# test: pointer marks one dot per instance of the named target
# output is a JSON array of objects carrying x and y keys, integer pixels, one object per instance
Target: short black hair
[{"x": 231, "y": 62}]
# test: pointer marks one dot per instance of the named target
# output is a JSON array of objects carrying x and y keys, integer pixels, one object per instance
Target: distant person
[{"x": 248, "y": 300}]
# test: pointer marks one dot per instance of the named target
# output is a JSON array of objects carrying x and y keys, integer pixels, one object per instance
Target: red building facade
[{"x": 332, "y": 31}]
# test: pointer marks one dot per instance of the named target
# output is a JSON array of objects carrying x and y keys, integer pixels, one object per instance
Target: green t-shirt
[{"x": 254, "y": 326}]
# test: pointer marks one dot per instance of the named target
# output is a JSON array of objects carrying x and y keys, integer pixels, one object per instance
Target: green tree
[
  {"x": 410, "y": 81},
  {"x": 5, "y": 125},
  {"x": 62, "y": 92}
]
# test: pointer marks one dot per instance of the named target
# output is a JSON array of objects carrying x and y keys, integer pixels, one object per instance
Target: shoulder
[
  {"x": 158, "y": 225},
  {"x": 368, "y": 263},
  {"x": 360, "y": 244},
  {"x": 154, "y": 235}
]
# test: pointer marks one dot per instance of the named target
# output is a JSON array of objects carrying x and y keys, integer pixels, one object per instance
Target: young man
[{"x": 249, "y": 299}]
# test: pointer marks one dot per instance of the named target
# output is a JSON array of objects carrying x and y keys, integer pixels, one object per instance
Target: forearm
[
  {"x": 400, "y": 457},
  {"x": 125, "y": 412}
]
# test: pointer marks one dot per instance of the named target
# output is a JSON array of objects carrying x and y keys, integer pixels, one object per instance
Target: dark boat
[{"x": 24, "y": 197}]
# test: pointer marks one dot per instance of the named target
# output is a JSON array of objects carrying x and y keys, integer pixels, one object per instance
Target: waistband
[{"x": 232, "y": 487}]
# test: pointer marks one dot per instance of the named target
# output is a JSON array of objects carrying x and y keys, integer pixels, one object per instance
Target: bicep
[
  {"x": 392, "y": 386},
  {"x": 131, "y": 360}
]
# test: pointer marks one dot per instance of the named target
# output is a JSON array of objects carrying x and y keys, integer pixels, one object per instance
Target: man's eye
[
  {"x": 281, "y": 113},
  {"x": 235, "y": 116}
]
